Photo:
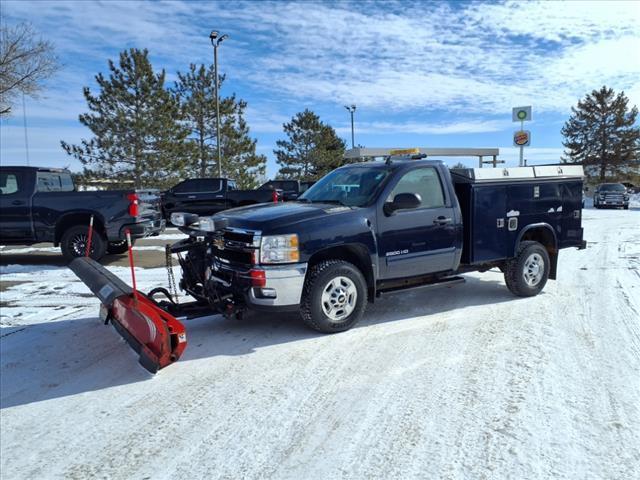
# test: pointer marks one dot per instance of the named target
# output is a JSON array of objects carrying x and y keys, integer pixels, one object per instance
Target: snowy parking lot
[{"x": 466, "y": 382}]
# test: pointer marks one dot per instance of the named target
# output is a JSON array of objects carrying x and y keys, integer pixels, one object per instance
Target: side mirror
[{"x": 403, "y": 201}]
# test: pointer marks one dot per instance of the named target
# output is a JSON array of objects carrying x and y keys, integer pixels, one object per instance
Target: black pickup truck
[
  {"x": 207, "y": 196},
  {"x": 42, "y": 205},
  {"x": 379, "y": 227},
  {"x": 611, "y": 195}
]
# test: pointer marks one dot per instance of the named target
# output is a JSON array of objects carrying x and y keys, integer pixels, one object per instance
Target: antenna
[{"x": 26, "y": 138}]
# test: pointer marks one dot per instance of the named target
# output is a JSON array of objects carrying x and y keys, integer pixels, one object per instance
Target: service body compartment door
[
  {"x": 490, "y": 223},
  {"x": 571, "y": 226}
]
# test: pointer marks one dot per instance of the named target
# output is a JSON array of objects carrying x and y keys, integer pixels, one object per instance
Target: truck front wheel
[
  {"x": 117, "y": 248},
  {"x": 334, "y": 296},
  {"x": 74, "y": 243},
  {"x": 526, "y": 274}
]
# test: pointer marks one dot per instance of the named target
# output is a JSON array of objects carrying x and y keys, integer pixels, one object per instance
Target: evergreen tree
[
  {"x": 195, "y": 90},
  {"x": 135, "y": 123},
  {"x": 312, "y": 150},
  {"x": 602, "y": 134}
]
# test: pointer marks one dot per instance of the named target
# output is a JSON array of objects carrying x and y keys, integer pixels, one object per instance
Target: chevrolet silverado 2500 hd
[{"x": 378, "y": 227}]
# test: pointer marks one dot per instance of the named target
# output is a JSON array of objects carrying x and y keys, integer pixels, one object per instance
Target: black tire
[
  {"x": 522, "y": 273},
  {"x": 626, "y": 207},
  {"x": 74, "y": 240},
  {"x": 319, "y": 278},
  {"x": 118, "y": 248}
]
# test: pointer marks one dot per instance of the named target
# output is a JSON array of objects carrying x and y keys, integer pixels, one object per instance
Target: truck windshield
[
  {"x": 353, "y": 187},
  {"x": 612, "y": 187}
]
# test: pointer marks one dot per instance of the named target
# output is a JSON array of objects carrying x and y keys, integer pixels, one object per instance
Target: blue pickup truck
[{"x": 379, "y": 227}]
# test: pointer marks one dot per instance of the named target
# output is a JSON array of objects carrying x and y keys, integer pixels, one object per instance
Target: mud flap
[{"x": 157, "y": 337}]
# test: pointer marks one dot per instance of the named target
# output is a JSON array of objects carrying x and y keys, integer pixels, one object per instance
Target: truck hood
[{"x": 274, "y": 216}]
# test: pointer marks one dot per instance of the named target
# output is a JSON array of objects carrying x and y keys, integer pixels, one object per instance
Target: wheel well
[
  {"x": 74, "y": 219},
  {"x": 354, "y": 254},
  {"x": 545, "y": 237}
]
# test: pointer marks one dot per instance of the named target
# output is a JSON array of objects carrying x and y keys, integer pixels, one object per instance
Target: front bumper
[{"x": 282, "y": 289}]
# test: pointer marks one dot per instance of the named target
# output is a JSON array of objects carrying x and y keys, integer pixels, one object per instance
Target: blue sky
[{"x": 430, "y": 74}]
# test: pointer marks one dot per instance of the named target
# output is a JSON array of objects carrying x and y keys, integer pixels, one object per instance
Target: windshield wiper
[{"x": 337, "y": 202}]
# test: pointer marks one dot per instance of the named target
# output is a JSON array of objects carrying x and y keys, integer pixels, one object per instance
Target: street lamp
[
  {"x": 216, "y": 40},
  {"x": 351, "y": 109}
]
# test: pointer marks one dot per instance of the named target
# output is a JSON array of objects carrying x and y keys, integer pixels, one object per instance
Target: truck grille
[{"x": 235, "y": 246}]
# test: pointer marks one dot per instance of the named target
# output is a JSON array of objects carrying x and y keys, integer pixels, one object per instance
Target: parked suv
[{"x": 611, "y": 195}]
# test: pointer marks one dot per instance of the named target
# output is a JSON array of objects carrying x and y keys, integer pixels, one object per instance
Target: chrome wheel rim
[
  {"x": 533, "y": 269},
  {"x": 79, "y": 245},
  {"x": 339, "y": 297}
]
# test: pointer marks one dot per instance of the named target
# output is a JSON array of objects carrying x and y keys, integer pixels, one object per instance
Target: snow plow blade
[{"x": 151, "y": 331}]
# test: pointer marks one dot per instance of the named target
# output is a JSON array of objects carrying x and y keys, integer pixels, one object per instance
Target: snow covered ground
[{"x": 468, "y": 382}]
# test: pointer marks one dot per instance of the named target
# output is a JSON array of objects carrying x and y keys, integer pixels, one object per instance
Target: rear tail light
[{"x": 134, "y": 204}]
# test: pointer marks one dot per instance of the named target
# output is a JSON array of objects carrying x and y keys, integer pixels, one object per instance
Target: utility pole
[
  {"x": 351, "y": 109},
  {"x": 216, "y": 40}
]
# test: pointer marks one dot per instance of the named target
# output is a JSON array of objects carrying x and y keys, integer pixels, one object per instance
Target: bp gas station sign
[{"x": 521, "y": 114}]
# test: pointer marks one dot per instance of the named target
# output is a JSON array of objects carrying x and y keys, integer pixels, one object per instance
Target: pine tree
[
  {"x": 602, "y": 134},
  {"x": 195, "y": 90},
  {"x": 312, "y": 150},
  {"x": 239, "y": 158},
  {"x": 135, "y": 123}
]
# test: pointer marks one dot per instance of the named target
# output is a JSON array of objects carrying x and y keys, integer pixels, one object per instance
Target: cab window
[
  {"x": 423, "y": 181},
  {"x": 9, "y": 183},
  {"x": 200, "y": 185},
  {"x": 54, "y": 182}
]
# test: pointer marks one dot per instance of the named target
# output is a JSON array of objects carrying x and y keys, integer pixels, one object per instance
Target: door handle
[
  {"x": 17, "y": 202},
  {"x": 442, "y": 220}
]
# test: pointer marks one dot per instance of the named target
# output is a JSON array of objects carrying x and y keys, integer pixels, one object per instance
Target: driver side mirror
[{"x": 403, "y": 201}]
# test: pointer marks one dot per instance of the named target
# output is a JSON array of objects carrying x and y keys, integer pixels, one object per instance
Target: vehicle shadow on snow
[{"x": 69, "y": 357}]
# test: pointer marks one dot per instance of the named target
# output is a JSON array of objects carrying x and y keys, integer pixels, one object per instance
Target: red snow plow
[{"x": 156, "y": 335}]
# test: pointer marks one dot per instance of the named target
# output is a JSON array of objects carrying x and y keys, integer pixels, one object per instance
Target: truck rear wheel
[
  {"x": 526, "y": 274},
  {"x": 334, "y": 296},
  {"x": 74, "y": 243}
]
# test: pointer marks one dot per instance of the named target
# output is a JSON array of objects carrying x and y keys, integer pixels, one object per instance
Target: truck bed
[{"x": 498, "y": 205}]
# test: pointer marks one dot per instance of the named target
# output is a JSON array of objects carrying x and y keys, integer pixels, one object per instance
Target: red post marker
[
  {"x": 89, "y": 236},
  {"x": 133, "y": 271},
  {"x": 274, "y": 196}
]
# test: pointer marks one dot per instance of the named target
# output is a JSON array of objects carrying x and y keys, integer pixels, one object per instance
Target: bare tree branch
[{"x": 25, "y": 62}]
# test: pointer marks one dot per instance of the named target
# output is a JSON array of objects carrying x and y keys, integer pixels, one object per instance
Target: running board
[
  {"x": 156, "y": 335},
  {"x": 445, "y": 282}
]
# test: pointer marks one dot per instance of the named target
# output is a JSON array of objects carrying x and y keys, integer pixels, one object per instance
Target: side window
[
  {"x": 66, "y": 183},
  {"x": 204, "y": 185},
  {"x": 54, "y": 182},
  {"x": 231, "y": 186},
  {"x": 423, "y": 181},
  {"x": 10, "y": 183}
]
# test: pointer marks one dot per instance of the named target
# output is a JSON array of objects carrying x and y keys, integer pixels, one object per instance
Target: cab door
[
  {"x": 421, "y": 240},
  {"x": 15, "y": 206}
]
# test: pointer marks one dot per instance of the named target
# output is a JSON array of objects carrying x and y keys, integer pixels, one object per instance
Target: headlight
[
  {"x": 279, "y": 249},
  {"x": 181, "y": 219}
]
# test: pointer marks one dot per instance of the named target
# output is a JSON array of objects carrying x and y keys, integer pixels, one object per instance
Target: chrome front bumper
[{"x": 285, "y": 282}]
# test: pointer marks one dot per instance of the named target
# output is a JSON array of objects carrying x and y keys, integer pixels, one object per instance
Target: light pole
[
  {"x": 216, "y": 40},
  {"x": 351, "y": 109}
]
